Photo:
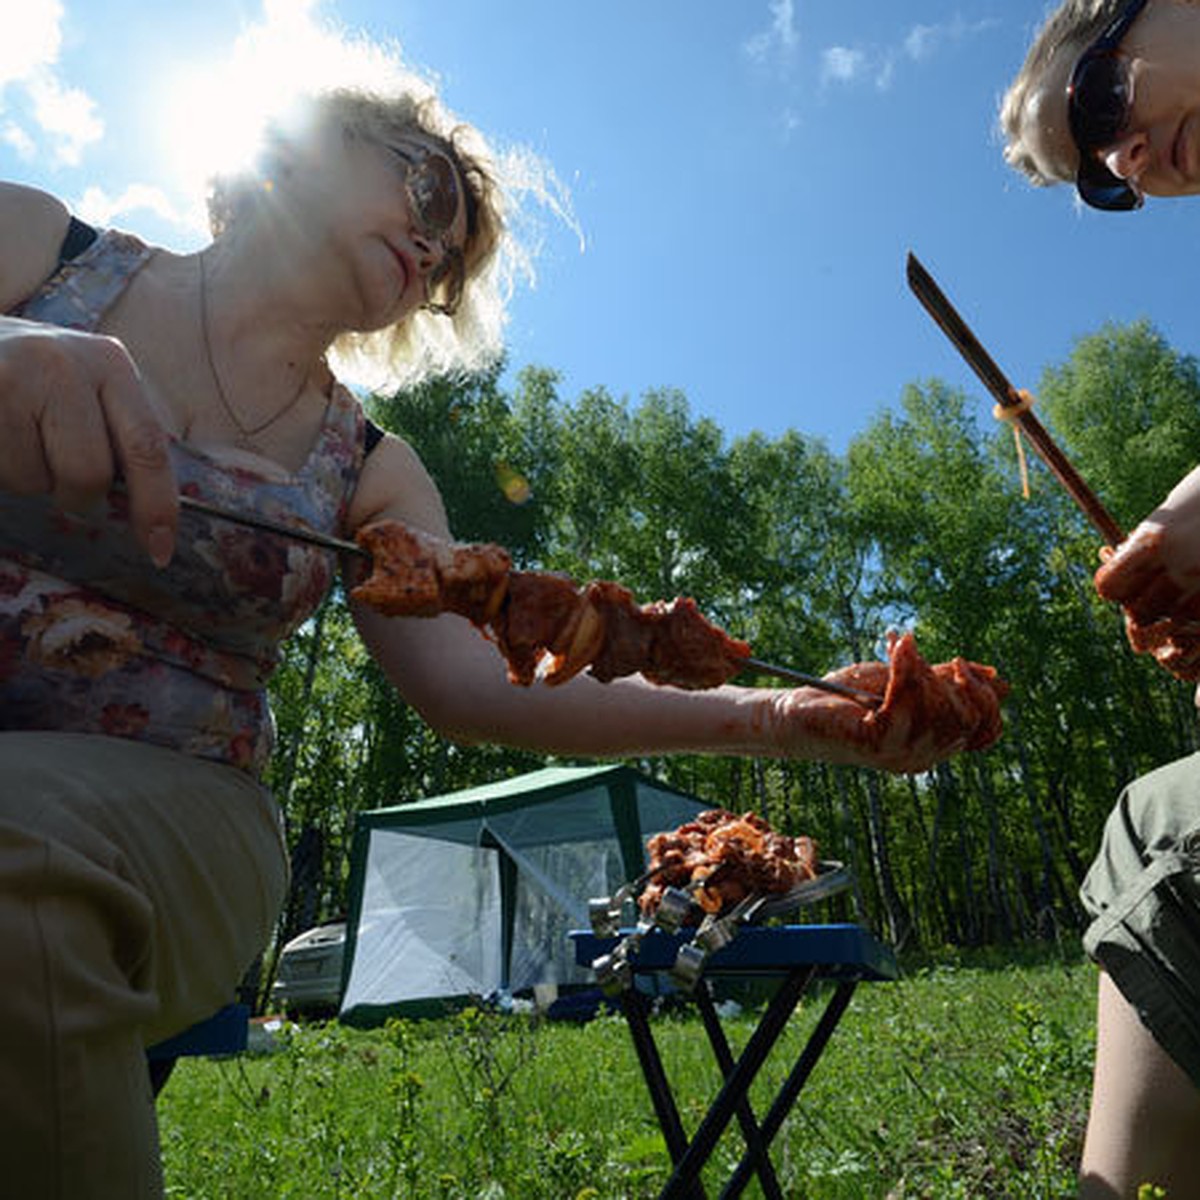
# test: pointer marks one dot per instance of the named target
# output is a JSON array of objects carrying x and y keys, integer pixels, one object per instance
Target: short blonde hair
[
  {"x": 1067, "y": 31},
  {"x": 424, "y": 343}
]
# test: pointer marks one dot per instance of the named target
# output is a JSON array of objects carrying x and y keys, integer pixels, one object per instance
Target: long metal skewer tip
[
  {"x": 256, "y": 522},
  {"x": 868, "y": 699},
  {"x": 938, "y": 305}
]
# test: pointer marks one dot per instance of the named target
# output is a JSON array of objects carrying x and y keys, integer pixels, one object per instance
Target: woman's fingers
[
  {"x": 140, "y": 446},
  {"x": 1134, "y": 567},
  {"x": 74, "y": 418},
  {"x": 73, "y": 443}
]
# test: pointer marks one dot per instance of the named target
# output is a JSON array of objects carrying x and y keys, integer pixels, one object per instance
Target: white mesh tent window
[{"x": 474, "y": 892}]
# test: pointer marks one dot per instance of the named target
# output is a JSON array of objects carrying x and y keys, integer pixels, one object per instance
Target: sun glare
[
  {"x": 210, "y": 127},
  {"x": 214, "y": 111}
]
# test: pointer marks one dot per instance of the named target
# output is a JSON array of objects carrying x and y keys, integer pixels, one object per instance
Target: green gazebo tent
[{"x": 472, "y": 893}]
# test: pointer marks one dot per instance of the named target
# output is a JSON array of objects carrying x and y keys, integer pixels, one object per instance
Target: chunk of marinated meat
[
  {"x": 951, "y": 706},
  {"x": 1162, "y": 614},
  {"x": 539, "y": 608},
  {"x": 415, "y": 574},
  {"x": 689, "y": 651}
]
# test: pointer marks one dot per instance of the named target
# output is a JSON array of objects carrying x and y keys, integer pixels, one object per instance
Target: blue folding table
[{"x": 798, "y": 955}]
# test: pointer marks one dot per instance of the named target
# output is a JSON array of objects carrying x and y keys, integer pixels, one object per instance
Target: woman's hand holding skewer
[{"x": 74, "y": 417}]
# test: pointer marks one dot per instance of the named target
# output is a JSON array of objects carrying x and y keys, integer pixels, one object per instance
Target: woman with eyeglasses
[
  {"x": 1109, "y": 99},
  {"x": 141, "y": 862}
]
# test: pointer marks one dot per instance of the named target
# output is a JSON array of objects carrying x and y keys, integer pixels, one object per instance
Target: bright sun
[
  {"x": 212, "y": 126},
  {"x": 214, "y": 112}
]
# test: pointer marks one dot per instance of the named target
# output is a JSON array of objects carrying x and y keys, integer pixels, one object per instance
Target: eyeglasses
[
  {"x": 1099, "y": 104},
  {"x": 432, "y": 188}
]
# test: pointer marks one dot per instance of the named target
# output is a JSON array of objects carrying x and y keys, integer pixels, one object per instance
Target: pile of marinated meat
[{"x": 723, "y": 858}]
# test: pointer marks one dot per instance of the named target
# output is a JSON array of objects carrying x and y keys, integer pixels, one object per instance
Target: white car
[{"x": 308, "y": 980}]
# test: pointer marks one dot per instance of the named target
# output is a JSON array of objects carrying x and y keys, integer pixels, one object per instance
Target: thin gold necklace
[{"x": 246, "y": 433}]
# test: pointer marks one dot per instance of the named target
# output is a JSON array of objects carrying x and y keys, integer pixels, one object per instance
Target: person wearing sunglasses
[
  {"x": 1108, "y": 99},
  {"x": 141, "y": 862}
]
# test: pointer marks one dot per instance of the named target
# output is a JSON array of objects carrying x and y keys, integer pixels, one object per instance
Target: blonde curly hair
[
  {"x": 425, "y": 343},
  {"x": 1067, "y": 32}
]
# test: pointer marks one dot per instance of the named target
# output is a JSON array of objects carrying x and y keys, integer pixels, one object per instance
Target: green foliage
[
  {"x": 798, "y": 572},
  {"x": 812, "y": 556},
  {"x": 950, "y": 1082},
  {"x": 458, "y": 427},
  {"x": 942, "y": 517},
  {"x": 1127, "y": 407}
]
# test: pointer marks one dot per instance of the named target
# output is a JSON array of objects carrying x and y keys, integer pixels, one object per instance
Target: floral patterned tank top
[{"x": 95, "y": 639}]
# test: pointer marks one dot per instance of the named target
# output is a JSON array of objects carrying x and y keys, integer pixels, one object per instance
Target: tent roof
[{"x": 516, "y": 792}]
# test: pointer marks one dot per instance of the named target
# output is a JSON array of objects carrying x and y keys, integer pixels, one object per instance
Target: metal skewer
[
  {"x": 869, "y": 699},
  {"x": 257, "y": 522},
  {"x": 968, "y": 345}
]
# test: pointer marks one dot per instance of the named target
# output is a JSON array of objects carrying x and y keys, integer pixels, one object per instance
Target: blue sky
[{"x": 746, "y": 177}]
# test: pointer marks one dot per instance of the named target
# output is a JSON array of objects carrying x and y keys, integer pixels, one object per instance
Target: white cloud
[
  {"x": 98, "y": 207},
  {"x": 66, "y": 114},
  {"x": 11, "y": 134},
  {"x": 851, "y": 65},
  {"x": 923, "y": 41},
  {"x": 842, "y": 64},
  {"x": 781, "y": 37},
  {"x": 31, "y": 38},
  {"x": 48, "y": 114}
]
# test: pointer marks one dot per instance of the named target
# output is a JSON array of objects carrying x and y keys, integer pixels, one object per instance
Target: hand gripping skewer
[{"x": 956, "y": 329}]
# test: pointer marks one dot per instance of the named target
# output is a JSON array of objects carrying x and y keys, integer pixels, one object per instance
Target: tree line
[{"x": 921, "y": 524}]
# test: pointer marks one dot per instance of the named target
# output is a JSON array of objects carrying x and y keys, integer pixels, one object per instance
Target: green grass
[{"x": 966, "y": 1078}]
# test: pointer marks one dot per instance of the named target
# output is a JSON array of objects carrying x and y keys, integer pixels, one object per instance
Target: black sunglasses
[{"x": 1099, "y": 102}]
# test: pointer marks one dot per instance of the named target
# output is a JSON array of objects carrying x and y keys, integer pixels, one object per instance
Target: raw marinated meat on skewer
[
  {"x": 417, "y": 575},
  {"x": 542, "y": 620},
  {"x": 1162, "y": 616}
]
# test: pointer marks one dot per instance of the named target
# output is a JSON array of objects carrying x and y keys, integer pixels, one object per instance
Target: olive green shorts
[
  {"x": 1143, "y": 895},
  {"x": 136, "y": 884}
]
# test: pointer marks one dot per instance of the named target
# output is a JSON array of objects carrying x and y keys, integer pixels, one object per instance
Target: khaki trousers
[{"x": 136, "y": 886}]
